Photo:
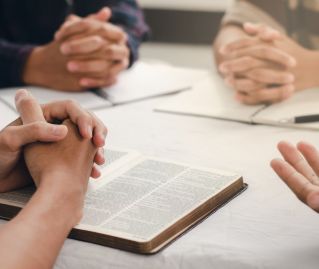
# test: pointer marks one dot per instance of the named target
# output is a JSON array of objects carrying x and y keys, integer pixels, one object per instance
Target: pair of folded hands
[
  {"x": 85, "y": 53},
  {"x": 264, "y": 65},
  {"x": 70, "y": 151}
]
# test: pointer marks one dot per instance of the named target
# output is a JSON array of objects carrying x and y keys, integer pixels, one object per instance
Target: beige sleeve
[{"x": 242, "y": 11}]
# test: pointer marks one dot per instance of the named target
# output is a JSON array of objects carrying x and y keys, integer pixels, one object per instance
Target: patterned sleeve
[
  {"x": 128, "y": 15},
  {"x": 12, "y": 60}
]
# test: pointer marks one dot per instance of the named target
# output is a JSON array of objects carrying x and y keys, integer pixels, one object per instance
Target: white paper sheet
[{"x": 145, "y": 80}]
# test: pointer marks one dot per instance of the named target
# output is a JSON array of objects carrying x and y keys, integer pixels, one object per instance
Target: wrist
[
  {"x": 33, "y": 67},
  {"x": 62, "y": 197}
]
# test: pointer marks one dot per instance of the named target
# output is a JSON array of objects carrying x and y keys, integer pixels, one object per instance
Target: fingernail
[
  {"x": 223, "y": 68},
  {"x": 291, "y": 78},
  {"x": 89, "y": 131},
  {"x": 58, "y": 130},
  {"x": 21, "y": 94},
  {"x": 72, "y": 66},
  {"x": 85, "y": 82},
  {"x": 293, "y": 62},
  {"x": 65, "y": 49}
]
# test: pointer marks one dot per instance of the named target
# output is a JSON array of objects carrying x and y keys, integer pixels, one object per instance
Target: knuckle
[
  {"x": 26, "y": 102},
  {"x": 7, "y": 140},
  {"x": 37, "y": 127},
  {"x": 70, "y": 103},
  {"x": 85, "y": 23},
  {"x": 303, "y": 192},
  {"x": 97, "y": 39}
]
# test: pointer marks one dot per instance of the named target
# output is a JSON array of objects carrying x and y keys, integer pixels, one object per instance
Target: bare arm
[
  {"x": 33, "y": 239},
  {"x": 60, "y": 171}
]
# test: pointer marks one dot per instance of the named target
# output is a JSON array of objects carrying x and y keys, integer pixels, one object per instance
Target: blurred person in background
[
  {"x": 68, "y": 45},
  {"x": 267, "y": 50}
]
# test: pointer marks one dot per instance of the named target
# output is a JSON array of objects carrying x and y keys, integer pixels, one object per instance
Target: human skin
[
  {"x": 35, "y": 236},
  {"x": 85, "y": 53},
  {"x": 299, "y": 169},
  {"x": 13, "y": 172},
  {"x": 263, "y": 65}
]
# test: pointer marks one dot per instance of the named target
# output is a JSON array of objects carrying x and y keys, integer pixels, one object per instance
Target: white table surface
[{"x": 266, "y": 227}]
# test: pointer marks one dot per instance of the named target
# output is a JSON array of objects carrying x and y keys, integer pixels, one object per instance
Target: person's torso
[
  {"x": 36, "y": 21},
  {"x": 300, "y": 18}
]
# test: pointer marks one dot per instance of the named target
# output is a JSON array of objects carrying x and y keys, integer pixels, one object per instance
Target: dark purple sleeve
[
  {"x": 125, "y": 13},
  {"x": 128, "y": 15},
  {"x": 12, "y": 61}
]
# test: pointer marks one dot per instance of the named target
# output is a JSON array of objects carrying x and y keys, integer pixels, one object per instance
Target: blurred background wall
[{"x": 184, "y": 21}]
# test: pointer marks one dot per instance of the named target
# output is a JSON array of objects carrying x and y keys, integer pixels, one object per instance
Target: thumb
[
  {"x": 22, "y": 135},
  {"x": 103, "y": 15}
]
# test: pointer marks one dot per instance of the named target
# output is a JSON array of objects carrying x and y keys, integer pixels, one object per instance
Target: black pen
[{"x": 302, "y": 119}]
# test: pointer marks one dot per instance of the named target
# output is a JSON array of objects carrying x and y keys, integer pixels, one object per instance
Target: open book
[
  {"x": 211, "y": 98},
  {"x": 142, "y": 81},
  {"x": 142, "y": 204}
]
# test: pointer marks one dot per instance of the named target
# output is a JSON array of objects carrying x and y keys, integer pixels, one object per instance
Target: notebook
[
  {"x": 144, "y": 80},
  {"x": 211, "y": 98},
  {"x": 142, "y": 204}
]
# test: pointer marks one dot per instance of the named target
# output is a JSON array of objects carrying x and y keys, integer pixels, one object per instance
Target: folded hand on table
[
  {"x": 13, "y": 139},
  {"x": 86, "y": 53},
  {"x": 300, "y": 171},
  {"x": 266, "y": 66},
  {"x": 96, "y": 49}
]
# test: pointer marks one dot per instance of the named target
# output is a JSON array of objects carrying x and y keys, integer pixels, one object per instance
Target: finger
[
  {"x": 95, "y": 172},
  {"x": 70, "y": 109},
  {"x": 99, "y": 133},
  {"x": 301, "y": 186},
  {"x": 118, "y": 67},
  {"x": 96, "y": 82},
  {"x": 266, "y": 95},
  {"x": 90, "y": 26},
  {"x": 82, "y": 46},
  {"x": 266, "y": 52},
  {"x": 89, "y": 125},
  {"x": 99, "y": 158},
  {"x": 28, "y": 107},
  {"x": 117, "y": 52},
  {"x": 238, "y": 44},
  {"x": 270, "y": 76},
  {"x": 91, "y": 66},
  {"x": 103, "y": 14},
  {"x": 244, "y": 85},
  {"x": 242, "y": 64},
  {"x": 311, "y": 154},
  {"x": 292, "y": 155},
  {"x": 15, "y": 137},
  {"x": 264, "y": 32}
]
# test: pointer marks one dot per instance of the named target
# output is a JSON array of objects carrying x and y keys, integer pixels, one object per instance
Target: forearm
[
  {"x": 34, "y": 238},
  {"x": 12, "y": 61},
  {"x": 227, "y": 34}
]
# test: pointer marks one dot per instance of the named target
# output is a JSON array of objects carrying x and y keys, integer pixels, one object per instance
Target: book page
[
  {"x": 88, "y": 100},
  {"x": 210, "y": 98},
  {"x": 146, "y": 80},
  {"x": 115, "y": 159},
  {"x": 149, "y": 197},
  {"x": 17, "y": 198},
  {"x": 7, "y": 115},
  {"x": 300, "y": 104}
]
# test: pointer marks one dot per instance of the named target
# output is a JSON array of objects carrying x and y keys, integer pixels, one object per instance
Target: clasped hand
[
  {"x": 85, "y": 53},
  {"x": 264, "y": 67},
  {"x": 36, "y": 124}
]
